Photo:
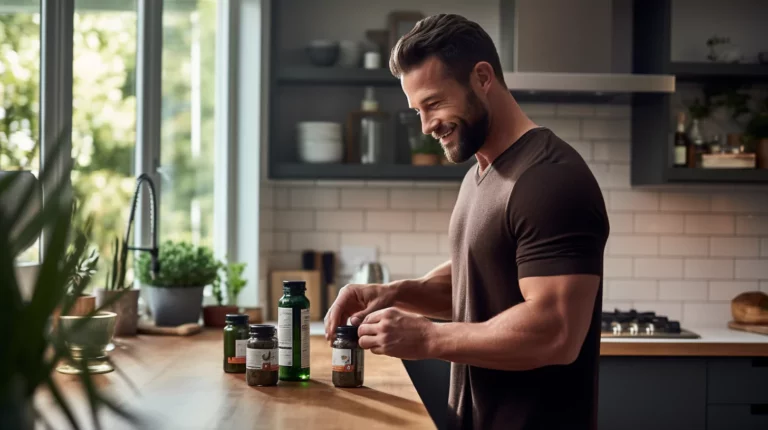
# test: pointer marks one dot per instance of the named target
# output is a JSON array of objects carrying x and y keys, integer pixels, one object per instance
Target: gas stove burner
[{"x": 641, "y": 324}]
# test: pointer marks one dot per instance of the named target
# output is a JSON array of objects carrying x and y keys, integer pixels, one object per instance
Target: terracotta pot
[
  {"x": 215, "y": 316},
  {"x": 126, "y": 308},
  {"x": 254, "y": 315},
  {"x": 762, "y": 153},
  {"x": 425, "y": 159}
]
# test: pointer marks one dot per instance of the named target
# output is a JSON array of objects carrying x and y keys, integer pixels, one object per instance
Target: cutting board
[
  {"x": 313, "y": 280},
  {"x": 752, "y": 328}
]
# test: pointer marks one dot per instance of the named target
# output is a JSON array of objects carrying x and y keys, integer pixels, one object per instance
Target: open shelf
[
  {"x": 709, "y": 71},
  {"x": 369, "y": 171},
  {"x": 309, "y": 75},
  {"x": 686, "y": 175}
]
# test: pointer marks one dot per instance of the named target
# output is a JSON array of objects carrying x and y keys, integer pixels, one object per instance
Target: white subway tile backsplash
[
  {"x": 413, "y": 243},
  {"x": 317, "y": 241},
  {"x": 672, "y": 310},
  {"x": 282, "y": 198},
  {"x": 752, "y": 225},
  {"x": 318, "y": 198},
  {"x": 266, "y": 219},
  {"x": 622, "y": 244},
  {"x": 565, "y": 129},
  {"x": 339, "y": 184},
  {"x": 611, "y": 305},
  {"x": 705, "y": 315},
  {"x": 682, "y": 290},
  {"x": 398, "y": 264},
  {"x": 423, "y": 264},
  {"x": 339, "y": 220},
  {"x": 294, "y": 220},
  {"x": 577, "y": 110},
  {"x": 583, "y": 148},
  {"x": 617, "y": 267},
  {"x": 376, "y": 240},
  {"x": 659, "y": 223},
  {"x": 734, "y": 247},
  {"x": 280, "y": 241},
  {"x": 444, "y": 244},
  {"x": 752, "y": 203},
  {"x": 752, "y": 269},
  {"x": 413, "y": 198},
  {"x": 613, "y": 111},
  {"x": 684, "y": 246},
  {"x": 284, "y": 260},
  {"x": 432, "y": 221},
  {"x": 709, "y": 224},
  {"x": 266, "y": 197},
  {"x": 535, "y": 109},
  {"x": 266, "y": 242},
  {"x": 659, "y": 268},
  {"x": 621, "y": 222},
  {"x": 702, "y": 268},
  {"x": 634, "y": 201},
  {"x": 685, "y": 202},
  {"x": 727, "y": 290},
  {"x": 364, "y": 198},
  {"x": 611, "y": 151},
  {"x": 390, "y": 184},
  {"x": 447, "y": 198},
  {"x": 389, "y": 221},
  {"x": 764, "y": 286},
  {"x": 764, "y": 247},
  {"x": 633, "y": 290},
  {"x": 605, "y": 129}
]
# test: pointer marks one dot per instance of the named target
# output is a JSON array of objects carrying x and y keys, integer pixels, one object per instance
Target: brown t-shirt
[{"x": 536, "y": 211}]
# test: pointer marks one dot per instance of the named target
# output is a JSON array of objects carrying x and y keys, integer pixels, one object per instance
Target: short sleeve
[{"x": 557, "y": 217}]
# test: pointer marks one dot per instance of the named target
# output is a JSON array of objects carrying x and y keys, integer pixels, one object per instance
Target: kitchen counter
[
  {"x": 714, "y": 342},
  {"x": 181, "y": 385}
]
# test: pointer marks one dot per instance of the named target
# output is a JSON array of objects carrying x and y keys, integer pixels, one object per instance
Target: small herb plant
[
  {"x": 181, "y": 265},
  {"x": 116, "y": 274},
  {"x": 82, "y": 266},
  {"x": 428, "y": 145},
  {"x": 234, "y": 283}
]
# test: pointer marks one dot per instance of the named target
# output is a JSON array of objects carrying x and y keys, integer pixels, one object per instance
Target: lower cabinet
[{"x": 681, "y": 393}]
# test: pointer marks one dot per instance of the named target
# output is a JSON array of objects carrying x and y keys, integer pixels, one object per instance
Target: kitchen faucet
[{"x": 153, "y": 251}]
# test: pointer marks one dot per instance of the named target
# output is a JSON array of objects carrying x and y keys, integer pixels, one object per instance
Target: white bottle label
[
  {"x": 285, "y": 335},
  {"x": 681, "y": 153},
  {"x": 262, "y": 359},
  {"x": 239, "y": 357},
  {"x": 342, "y": 360},
  {"x": 304, "y": 338}
]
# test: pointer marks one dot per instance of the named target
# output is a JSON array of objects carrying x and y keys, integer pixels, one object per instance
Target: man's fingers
[
  {"x": 377, "y": 350},
  {"x": 368, "y": 342},
  {"x": 376, "y": 316},
  {"x": 368, "y": 330}
]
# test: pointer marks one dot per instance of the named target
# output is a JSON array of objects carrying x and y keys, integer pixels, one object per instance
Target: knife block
[{"x": 313, "y": 281}]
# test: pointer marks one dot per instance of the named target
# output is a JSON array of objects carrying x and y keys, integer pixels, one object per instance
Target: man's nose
[{"x": 428, "y": 125}]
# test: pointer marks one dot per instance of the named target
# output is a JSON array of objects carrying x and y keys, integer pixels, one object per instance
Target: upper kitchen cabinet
[
  {"x": 718, "y": 53},
  {"x": 336, "y": 112}
]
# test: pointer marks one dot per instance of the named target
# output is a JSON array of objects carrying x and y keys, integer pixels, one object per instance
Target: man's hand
[
  {"x": 355, "y": 302},
  {"x": 397, "y": 333}
]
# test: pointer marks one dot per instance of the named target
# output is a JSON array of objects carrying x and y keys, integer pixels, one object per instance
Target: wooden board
[
  {"x": 311, "y": 277},
  {"x": 752, "y": 328}
]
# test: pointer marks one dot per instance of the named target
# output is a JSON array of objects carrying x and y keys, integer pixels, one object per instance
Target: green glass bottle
[{"x": 293, "y": 332}]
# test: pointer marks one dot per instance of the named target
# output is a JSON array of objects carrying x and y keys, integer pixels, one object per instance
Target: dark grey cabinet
[{"x": 679, "y": 393}]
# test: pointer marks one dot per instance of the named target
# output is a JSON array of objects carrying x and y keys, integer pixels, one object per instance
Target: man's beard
[{"x": 471, "y": 134}]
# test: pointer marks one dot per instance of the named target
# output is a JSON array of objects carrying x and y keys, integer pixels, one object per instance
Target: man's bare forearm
[{"x": 429, "y": 295}]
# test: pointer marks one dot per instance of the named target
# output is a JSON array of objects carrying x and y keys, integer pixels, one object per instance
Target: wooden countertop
[
  {"x": 713, "y": 342},
  {"x": 181, "y": 385}
]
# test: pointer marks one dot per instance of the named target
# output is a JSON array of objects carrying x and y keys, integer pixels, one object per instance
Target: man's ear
[{"x": 484, "y": 75}]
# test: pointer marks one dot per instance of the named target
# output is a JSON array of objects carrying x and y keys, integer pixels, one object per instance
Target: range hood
[{"x": 566, "y": 46}]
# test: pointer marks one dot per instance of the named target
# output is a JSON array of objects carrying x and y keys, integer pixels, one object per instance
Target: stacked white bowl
[{"x": 320, "y": 142}]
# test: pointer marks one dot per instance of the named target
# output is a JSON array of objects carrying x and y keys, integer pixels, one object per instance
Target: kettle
[{"x": 370, "y": 273}]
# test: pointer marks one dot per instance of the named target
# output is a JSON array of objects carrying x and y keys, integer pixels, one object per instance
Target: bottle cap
[
  {"x": 295, "y": 286},
  {"x": 237, "y": 318},
  {"x": 265, "y": 330},
  {"x": 347, "y": 331}
]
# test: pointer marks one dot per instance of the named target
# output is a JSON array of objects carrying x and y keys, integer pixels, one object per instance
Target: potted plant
[
  {"x": 176, "y": 294},
  {"x": 31, "y": 347},
  {"x": 427, "y": 153},
  {"x": 127, "y": 307},
  {"x": 82, "y": 269},
  {"x": 215, "y": 316},
  {"x": 757, "y": 130}
]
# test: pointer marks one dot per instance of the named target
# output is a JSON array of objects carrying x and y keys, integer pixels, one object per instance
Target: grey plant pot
[
  {"x": 174, "y": 306},
  {"x": 126, "y": 308}
]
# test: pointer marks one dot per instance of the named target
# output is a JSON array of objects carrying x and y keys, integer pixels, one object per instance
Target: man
[{"x": 523, "y": 287}]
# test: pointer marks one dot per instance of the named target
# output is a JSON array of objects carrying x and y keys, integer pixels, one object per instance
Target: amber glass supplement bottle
[
  {"x": 261, "y": 362},
  {"x": 293, "y": 332},
  {"x": 348, "y": 358},
  {"x": 235, "y": 340}
]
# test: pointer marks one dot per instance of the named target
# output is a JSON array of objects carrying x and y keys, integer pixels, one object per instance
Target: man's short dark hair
[{"x": 458, "y": 42}]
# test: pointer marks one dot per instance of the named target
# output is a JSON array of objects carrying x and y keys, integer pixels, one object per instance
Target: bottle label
[
  {"x": 305, "y": 338},
  {"x": 285, "y": 335},
  {"x": 681, "y": 155},
  {"x": 342, "y": 360},
  {"x": 262, "y": 359},
  {"x": 240, "y": 348}
]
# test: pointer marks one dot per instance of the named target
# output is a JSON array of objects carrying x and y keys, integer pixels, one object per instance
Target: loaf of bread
[{"x": 750, "y": 307}]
